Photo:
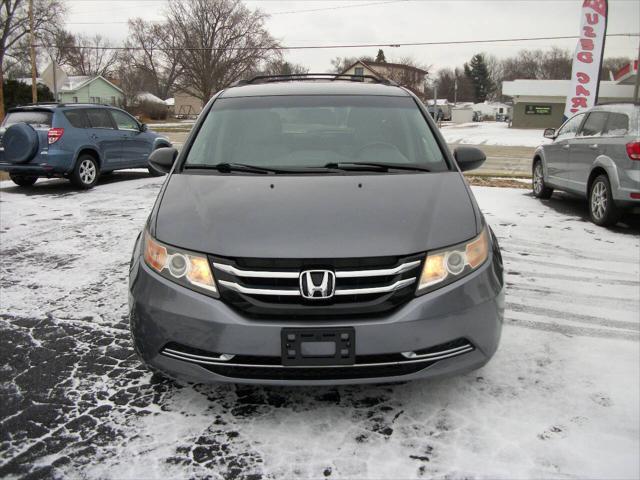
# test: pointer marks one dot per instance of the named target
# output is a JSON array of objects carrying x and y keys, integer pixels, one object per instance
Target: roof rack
[
  {"x": 61, "y": 104},
  {"x": 313, "y": 76}
]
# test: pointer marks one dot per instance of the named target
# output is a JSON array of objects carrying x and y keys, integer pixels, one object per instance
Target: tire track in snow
[
  {"x": 570, "y": 330},
  {"x": 626, "y": 304},
  {"x": 573, "y": 317},
  {"x": 520, "y": 259},
  {"x": 573, "y": 278}
]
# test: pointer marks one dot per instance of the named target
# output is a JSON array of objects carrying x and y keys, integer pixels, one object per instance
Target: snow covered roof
[
  {"x": 560, "y": 88},
  {"x": 439, "y": 101},
  {"x": 73, "y": 82},
  {"x": 149, "y": 97},
  {"x": 170, "y": 102}
]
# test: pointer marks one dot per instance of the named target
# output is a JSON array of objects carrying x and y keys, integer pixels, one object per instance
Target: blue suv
[{"x": 75, "y": 141}]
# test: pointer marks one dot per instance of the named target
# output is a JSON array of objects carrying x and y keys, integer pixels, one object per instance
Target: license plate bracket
[{"x": 318, "y": 346}]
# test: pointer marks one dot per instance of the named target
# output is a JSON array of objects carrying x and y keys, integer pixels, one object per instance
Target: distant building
[
  {"x": 85, "y": 89},
  {"x": 443, "y": 106},
  {"x": 410, "y": 77},
  {"x": 185, "y": 105},
  {"x": 492, "y": 109},
  {"x": 540, "y": 103}
]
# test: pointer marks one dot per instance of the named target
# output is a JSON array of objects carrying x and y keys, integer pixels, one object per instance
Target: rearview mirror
[
  {"x": 469, "y": 158},
  {"x": 143, "y": 127},
  {"x": 549, "y": 133},
  {"x": 162, "y": 159}
]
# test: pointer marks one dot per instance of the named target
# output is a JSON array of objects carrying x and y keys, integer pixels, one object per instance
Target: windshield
[
  {"x": 34, "y": 118},
  {"x": 314, "y": 131}
]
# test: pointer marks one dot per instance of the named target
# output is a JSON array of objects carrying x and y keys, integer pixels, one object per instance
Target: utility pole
[
  {"x": 455, "y": 88},
  {"x": 636, "y": 90},
  {"x": 34, "y": 86}
]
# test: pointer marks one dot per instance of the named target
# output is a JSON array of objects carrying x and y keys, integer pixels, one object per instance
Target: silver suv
[
  {"x": 315, "y": 230},
  {"x": 595, "y": 154}
]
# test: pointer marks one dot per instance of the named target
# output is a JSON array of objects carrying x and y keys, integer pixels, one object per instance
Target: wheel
[
  {"x": 602, "y": 209},
  {"x": 23, "y": 180},
  {"x": 540, "y": 190},
  {"x": 86, "y": 172}
]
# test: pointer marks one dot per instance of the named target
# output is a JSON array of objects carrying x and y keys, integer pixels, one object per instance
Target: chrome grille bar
[
  {"x": 258, "y": 291},
  {"x": 339, "y": 273},
  {"x": 377, "y": 273},
  {"x": 384, "y": 289},
  {"x": 296, "y": 293},
  {"x": 254, "y": 273},
  {"x": 434, "y": 357}
]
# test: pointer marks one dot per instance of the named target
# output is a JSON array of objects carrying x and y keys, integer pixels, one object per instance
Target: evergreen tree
[
  {"x": 478, "y": 73},
  {"x": 380, "y": 57}
]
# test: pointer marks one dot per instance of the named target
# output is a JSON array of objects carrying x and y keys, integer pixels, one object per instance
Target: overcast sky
[{"x": 315, "y": 22}]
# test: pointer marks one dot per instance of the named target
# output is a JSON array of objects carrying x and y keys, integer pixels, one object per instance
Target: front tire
[
  {"x": 86, "y": 172},
  {"x": 602, "y": 209},
  {"x": 540, "y": 189},
  {"x": 23, "y": 180}
]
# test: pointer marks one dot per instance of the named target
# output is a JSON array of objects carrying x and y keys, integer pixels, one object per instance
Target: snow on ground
[
  {"x": 560, "y": 399},
  {"x": 492, "y": 133}
]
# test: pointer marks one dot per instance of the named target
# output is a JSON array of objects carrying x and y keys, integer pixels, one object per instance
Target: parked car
[
  {"x": 75, "y": 141},
  {"x": 315, "y": 232},
  {"x": 596, "y": 155}
]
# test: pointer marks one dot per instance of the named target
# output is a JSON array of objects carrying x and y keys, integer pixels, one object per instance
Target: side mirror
[
  {"x": 143, "y": 127},
  {"x": 162, "y": 159},
  {"x": 469, "y": 158},
  {"x": 549, "y": 133}
]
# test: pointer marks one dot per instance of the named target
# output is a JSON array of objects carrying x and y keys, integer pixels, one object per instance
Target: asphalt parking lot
[{"x": 560, "y": 398}]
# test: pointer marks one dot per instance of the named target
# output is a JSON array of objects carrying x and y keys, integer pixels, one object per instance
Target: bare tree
[
  {"x": 282, "y": 67},
  {"x": 556, "y": 64},
  {"x": 407, "y": 77},
  {"x": 92, "y": 56},
  {"x": 60, "y": 45},
  {"x": 155, "y": 50},
  {"x": 222, "y": 41},
  {"x": 447, "y": 80},
  {"x": 14, "y": 27}
]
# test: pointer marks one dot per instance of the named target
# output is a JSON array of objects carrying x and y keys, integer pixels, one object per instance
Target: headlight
[
  {"x": 186, "y": 268},
  {"x": 442, "y": 267}
]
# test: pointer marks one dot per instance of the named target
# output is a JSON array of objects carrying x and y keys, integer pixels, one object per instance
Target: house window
[
  {"x": 359, "y": 71},
  {"x": 113, "y": 100},
  {"x": 75, "y": 99}
]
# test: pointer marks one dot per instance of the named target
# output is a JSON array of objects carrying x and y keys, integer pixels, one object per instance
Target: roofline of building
[
  {"x": 91, "y": 80},
  {"x": 370, "y": 65}
]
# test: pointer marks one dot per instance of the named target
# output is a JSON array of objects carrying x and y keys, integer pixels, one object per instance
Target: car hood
[{"x": 328, "y": 216}]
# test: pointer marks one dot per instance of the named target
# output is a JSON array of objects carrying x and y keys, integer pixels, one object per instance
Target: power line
[
  {"x": 360, "y": 45},
  {"x": 287, "y": 12}
]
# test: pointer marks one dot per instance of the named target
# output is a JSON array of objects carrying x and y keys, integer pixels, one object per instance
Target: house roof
[
  {"x": 560, "y": 88},
  {"x": 149, "y": 97},
  {"x": 371, "y": 67},
  {"x": 73, "y": 82}
]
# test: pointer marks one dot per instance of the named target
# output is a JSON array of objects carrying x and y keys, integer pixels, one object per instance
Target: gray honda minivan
[{"x": 315, "y": 230}]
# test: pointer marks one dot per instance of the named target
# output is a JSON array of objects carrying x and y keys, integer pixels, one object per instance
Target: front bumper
[{"x": 163, "y": 313}]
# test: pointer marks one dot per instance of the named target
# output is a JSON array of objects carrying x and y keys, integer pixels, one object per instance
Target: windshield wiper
[
  {"x": 242, "y": 167},
  {"x": 375, "y": 166}
]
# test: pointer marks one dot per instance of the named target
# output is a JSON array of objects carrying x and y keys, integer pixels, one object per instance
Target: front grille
[
  {"x": 271, "y": 368},
  {"x": 271, "y": 287}
]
